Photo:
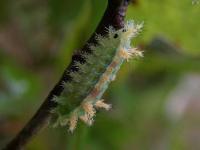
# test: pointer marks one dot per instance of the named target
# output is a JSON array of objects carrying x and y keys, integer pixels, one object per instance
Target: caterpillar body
[{"x": 82, "y": 95}]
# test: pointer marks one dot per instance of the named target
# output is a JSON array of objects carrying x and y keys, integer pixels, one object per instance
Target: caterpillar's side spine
[{"x": 82, "y": 95}]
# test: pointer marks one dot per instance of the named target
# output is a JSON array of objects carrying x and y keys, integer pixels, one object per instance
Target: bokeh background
[{"x": 156, "y": 99}]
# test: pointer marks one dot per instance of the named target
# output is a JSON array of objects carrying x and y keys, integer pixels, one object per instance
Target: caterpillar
[{"x": 82, "y": 95}]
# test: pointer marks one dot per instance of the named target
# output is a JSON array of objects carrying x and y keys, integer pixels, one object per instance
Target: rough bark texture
[{"x": 113, "y": 16}]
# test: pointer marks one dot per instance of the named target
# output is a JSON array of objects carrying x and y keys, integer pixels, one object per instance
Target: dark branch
[{"x": 114, "y": 16}]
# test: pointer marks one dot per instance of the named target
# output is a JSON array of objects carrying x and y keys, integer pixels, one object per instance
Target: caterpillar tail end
[{"x": 88, "y": 115}]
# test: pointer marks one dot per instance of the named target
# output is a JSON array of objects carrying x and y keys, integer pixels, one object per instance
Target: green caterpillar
[{"x": 82, "y": 95}]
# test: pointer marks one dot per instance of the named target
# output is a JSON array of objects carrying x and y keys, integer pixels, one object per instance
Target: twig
[{"x": 113, "y": 16}]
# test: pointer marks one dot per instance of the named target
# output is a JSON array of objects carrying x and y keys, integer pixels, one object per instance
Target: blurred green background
[{"x": 156, "y": 99}]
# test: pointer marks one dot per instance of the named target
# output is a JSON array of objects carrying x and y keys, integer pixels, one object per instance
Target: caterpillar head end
[{"x": 131, "y": 29}]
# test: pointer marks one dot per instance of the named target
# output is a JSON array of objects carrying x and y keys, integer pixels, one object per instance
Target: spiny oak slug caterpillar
[{"x": 82, "y": 95}]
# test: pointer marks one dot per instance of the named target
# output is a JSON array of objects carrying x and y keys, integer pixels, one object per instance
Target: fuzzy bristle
[
  {"x": 87, "y": 119},
  {"x": 102, "y": 104},
  {"x": 73, "y": 121},
  {"x": 89, "y": 109},
  {"x": 125, "y": 54},
  {"x": 54, "y": 99},
  {"x": 128, "y": 54},
  {"x": 137, "y": 52}
]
